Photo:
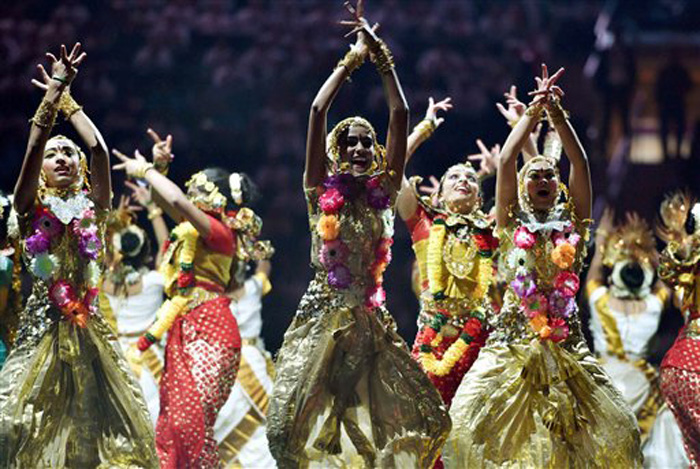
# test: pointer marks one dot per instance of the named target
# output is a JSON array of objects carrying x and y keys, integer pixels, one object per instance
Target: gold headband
[
  {"x": 207, "y": 197},
  {"x": 333, "y": 146},
  {"x": 83, "y": 181}
]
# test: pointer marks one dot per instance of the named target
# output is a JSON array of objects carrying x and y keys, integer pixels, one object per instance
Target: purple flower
[
  {"x": 89, "y": 245},
  {"x": 524, "y": 285},
  {"x": 339, "y": 277},
  {"x": 37, "y": 243},
  {"x": 343, "y": 183},
  {"x": 47, "y": 224},
  {"x": 333, "y": 253},
  {"x": 377, "y": 198},
  {"x": 562, "y": 305}
]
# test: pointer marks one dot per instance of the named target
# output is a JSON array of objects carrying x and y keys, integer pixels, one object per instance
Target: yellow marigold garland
[
  {"x": 436, "y": 242},
  {"x": 449, "y": 359}
]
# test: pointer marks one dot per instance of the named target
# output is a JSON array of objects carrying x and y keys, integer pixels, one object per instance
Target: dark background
[{"x": 233, "y": 82}]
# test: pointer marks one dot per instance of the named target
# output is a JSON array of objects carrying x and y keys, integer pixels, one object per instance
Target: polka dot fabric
[
  {"x": 201, "y": 362},
  {"x": 681, "y": 389}
]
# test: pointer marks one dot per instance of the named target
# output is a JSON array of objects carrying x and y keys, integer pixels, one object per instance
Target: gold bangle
[
  {"x": 381, "y": 57},
  {"x": 45, "y": 115},
  {"x": 425, "y": 127},
  {"x": 67, "y": 105},
  {"x": 513, "y": 123},
  {"x": 557, "y": 115},
  {"x": 351, "y": 61},
  {"x": 535, "y": 111},
  {"x": 155, "y": 213},
  {"x": 142, "y": 169}
]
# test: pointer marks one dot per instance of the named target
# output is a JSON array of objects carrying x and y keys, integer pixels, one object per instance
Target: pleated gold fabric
[
  {"x": 70, "y": 401},
  {"x": 348, "y": 394}
]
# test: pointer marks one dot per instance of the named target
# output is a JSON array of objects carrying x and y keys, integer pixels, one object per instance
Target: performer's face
[
  {"x": 460, "y": 189},
  {"x": 541, "y": 182},
  {"x": 61, "y": 163},
  {"x": 358, "y": 149}
]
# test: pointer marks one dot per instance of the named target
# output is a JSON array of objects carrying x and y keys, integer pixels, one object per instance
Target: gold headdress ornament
[
  {"x": 632, "y": 240},
  {"x": 83, "y": 181},
  {"x": 333, "y": 146},
  {"x": 674, "y": 211},
  {"x": 523, "y": 196},
  {"x": 207, "y": 196},
  {"x": 552, "y": 146}
]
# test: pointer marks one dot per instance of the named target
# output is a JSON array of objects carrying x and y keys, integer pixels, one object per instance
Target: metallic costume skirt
[
  {"x": 69, "y": 400},
  {"x": 201, "y": 361},
  {"x": 348, "y": 394},
  {"x": 539, "y": 405}
]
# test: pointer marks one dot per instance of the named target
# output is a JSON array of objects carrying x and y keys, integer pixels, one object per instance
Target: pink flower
[
  {"x": 535, "y": 305},
  {"x": 567, "y": 283},
  {"x": 567, "y": 235},
  {"x": 331, "y": 200},
  {"x": 524, "y": 285},
  {"x": 89, "y": 245},
  {"x": 333, "y": 253},
  {"x": 47, "y": 223},
  {"x": 561, "y": 305},
  {"x": 560, "y": 329},
  {"x": 376, "y": 297},
  {"x": 339, "y": 277},
  {"x": 61, "y": 294},
  {"x": 383, "y": 251},
  {"x": 523, "y": 238}
]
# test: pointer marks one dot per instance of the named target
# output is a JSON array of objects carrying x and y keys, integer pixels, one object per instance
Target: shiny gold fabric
[
  {"x": 348, "y": 393},
  {"x": 70, "y": 401},
  {"x": 537, "y": 405}
]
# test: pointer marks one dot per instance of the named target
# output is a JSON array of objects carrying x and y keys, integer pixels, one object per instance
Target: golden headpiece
[
  {"x": 632, "y": 240},
  {"x": 83, "y": 181},
  {"x": 205, "y": 194},
  {"x": 333, "y": 146}
]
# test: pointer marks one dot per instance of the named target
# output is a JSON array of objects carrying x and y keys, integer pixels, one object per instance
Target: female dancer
[
  {"x": 203, "y": 346},
  {"x": 67, "y": 398},
  {"x": 626, "y": 309},
  {"x": 10, "y": 277},
  {"x": 132, "y": 292},
  {"x": 347, "y": 391},
  {"x": 535, "y": 397},
  {"x": 680, "y": 369},
  {"x": 453, "y": 244}
]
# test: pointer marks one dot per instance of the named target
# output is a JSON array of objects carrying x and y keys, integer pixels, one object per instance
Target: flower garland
[
  {"x": 547, "y": 313},
  {"x": 77, "y": 220},
  {"x": 337, "y": 191},
  {"x": 432, "y": 337}
]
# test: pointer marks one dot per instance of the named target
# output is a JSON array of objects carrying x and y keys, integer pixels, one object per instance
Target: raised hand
[
  {"x": 430, "y": 189},
  {"x": 162, "y": 151},
  {"x": 488, "y": 159},
  {"x": 433, "y": 108},
  {"x": 515, "y": 109},
  {"x": 125, "y": 205},
  {"x": 63, "y": 70},
  {"x": 546, "y": 87},
  {"x": 141, "y": 194},
  {"x": 134, "y": 167},
  {"x": 359, "y": 24}
]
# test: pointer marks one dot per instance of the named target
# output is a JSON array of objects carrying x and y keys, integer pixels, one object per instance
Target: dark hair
[
  {"x": 130, "y": 242},
  {"x": 220, "y": 177},
  {"x": 4, "y": 217}
]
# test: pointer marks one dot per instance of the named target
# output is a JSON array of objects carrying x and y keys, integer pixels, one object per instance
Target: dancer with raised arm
[
  {"x": 67, "y": 397},
  {"x": 347, "y": 391},
  {"x": 536, "y": 397}
]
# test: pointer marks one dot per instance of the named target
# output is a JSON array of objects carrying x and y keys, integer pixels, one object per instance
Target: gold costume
[
  {"x": 67, "y": 397},
  {"x": 536, "y": 397},
  {"x": 347, "y": 393}
]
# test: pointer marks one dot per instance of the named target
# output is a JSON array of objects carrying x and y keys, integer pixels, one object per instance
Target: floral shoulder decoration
[
  {"x": 547, "y": 311},
  {"x": 337, "y": 191},
  {"x": 60, "y": 228}
]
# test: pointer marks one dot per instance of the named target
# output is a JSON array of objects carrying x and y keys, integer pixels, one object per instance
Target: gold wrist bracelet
[
  {"x": 142, "y": 169},
  {"x": 382, "y": 57},
  {"x": 155, "y": 213},
  {"x": 67, "y": 105},
  {"x": 352, "y": 61},
  {"x": 425, "y": 127},
  {"x": 45, "y": 115},
  {"x": 557, "y": 115},
  {"x": 535, "y": 111}
]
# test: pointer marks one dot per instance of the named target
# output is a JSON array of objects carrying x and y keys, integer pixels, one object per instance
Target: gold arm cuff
[
  {"x": 67, "y": 105},
  {"x": 143, "y": 168},
  {"x": 382, "y": 58},
  {"x": 557, "y": 115},
  {"x": 535, "y": 111},
  {"x": 352, "y": 61},
  {"x": 425, "y": 127},
  {"x": 155, "y": 213},
  {"x": 45, "y": 115}
]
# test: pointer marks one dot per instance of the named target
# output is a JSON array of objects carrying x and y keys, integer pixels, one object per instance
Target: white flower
[
  {"x": 388, "y": 221},
  {"x": 520, "y": 261}
]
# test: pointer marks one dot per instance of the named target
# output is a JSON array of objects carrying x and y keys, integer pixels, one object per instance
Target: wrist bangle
[
  {"x": 535, "y": 111},
  {"x": 60, "y": 79},
  {"x": 67, "y": 105},
  {"x": 45, "y": 115},
  {"x": 155, "y": 213},
  {"x": 142, "y": 169},
  {"x": 381, "y": 57},
  {"x": 162, "y": 166},
  {"x": 150, "y": 337},
  {"x": 514, "y": 122},
  {"x": 425, "y": 127},
  {"x": 351, "y": 61},
  {"x": 557, "y": 115}
]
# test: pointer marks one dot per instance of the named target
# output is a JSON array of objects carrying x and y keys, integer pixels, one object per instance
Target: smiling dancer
[
  {"x": 347, "y": 391},
  {"x": 67, "y": 397},
  {"x": 535, "y": 397}
]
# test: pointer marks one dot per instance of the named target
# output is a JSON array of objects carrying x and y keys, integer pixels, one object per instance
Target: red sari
[{"x": 202, "y": 355}]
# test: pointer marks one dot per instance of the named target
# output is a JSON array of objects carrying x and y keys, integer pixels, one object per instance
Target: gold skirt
[
  {"x": 538, "y": 405},
  {"x": 69, "y": 401},
  {"x": 348, "y": 394}
]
